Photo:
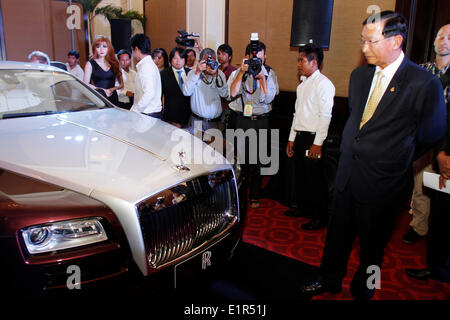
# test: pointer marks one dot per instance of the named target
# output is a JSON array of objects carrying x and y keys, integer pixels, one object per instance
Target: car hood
[{"x": 113, "y": 152}]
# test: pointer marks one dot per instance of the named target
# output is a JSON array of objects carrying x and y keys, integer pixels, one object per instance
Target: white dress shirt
[
  {"x": 77, "y": 71},
  {"x": 313, "y": 107},
  {"x": 128, "y": 79},
  {"x": 147, "y": 95},
  {"x": 388, "y": 74},
  {"x": 205, "y": 98},
  {"x": 183, "y": 74}
]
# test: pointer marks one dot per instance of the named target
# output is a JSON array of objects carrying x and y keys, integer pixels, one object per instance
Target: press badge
[{"x": 248, "y": 110}]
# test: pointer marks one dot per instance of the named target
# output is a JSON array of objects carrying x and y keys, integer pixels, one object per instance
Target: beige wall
[
  {"x": 38, "y": 25},
  {"x": 164, "y": 18},
  {"x": 273, "y": 19}
]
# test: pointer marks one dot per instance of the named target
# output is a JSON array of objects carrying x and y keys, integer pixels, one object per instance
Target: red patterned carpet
[{"x": 268, "y": 228}]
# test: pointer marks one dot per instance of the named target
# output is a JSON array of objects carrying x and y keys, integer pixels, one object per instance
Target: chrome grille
[{"x": 184, "y": 218}]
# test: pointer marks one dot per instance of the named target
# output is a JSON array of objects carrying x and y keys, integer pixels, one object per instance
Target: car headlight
[{"x": 63, "y": 235}]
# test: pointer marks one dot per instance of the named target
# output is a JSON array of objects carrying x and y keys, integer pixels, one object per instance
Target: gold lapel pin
[{"x": 392, "y": 89}]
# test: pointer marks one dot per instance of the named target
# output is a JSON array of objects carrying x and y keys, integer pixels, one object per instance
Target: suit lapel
[
  {"x": 174, "y": 80},
  {"x": 365, "y": 89}
]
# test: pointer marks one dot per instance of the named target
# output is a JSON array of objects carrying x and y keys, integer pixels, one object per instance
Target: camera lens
[
  {"x": 254, "y": 66},
  {"x": 213, "y": 64}
]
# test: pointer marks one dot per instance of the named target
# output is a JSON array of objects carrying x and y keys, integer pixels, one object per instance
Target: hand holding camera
[
  {"x": 254, "y": 63},
  {"x": 201, "y": 66},
  {"x": 211, "y": 66}
]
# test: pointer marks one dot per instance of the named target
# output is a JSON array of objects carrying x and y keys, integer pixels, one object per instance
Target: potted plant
[{"x": 112, "y": 14}]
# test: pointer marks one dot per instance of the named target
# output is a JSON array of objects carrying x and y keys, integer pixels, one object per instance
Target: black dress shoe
[
  {"x": 319, "y": 286},
  {"x": 421, "y": 274},
  {"x": 411, "y": 236},
  {"x": 360, "y": 291},
  {"x": 313, "y": 225}
]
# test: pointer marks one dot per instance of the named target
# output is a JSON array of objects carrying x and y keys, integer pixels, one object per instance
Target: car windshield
[{"x": 25, "y": 93}]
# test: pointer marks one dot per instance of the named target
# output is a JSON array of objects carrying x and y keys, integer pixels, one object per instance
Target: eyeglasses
[{"x": 363, "y": 42}]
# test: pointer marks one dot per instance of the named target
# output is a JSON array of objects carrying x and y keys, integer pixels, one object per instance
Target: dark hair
[
  {"x": 261, "y": 46},
  {"x": 180, "y": 51},
  {"x": 395, "y": 23},
  {"x": 191, "y": 50},
  {"x": 226, "y": 48},
  {"x": 123, "y": 51},
  {"x": 74, "y": 53},
  {"x": 207, "y": 52},
  {"x": 142, "y": 42},
  {"x": 312, "y": 52},
  {"x": 163, "y": 54}
]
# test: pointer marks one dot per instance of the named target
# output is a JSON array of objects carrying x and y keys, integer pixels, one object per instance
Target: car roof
[{"x": 11, "y": 65}]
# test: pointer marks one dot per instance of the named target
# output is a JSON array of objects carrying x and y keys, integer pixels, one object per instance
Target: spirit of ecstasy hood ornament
[{"x": 181, "y": 167}]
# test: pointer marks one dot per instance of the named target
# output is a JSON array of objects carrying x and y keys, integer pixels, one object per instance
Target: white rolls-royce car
[{"x": 89, "y": 191}]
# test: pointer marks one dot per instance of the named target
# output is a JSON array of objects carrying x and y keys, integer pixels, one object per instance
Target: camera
[
  {"x": 184, "y": 40},
  {"x": 254, "y": 63},
  {"x": 213, "y": 64}
]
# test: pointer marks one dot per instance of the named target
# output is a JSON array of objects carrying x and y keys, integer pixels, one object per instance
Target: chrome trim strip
[
  {"x": 171, "y": 226},
  {"x": 191, "y": 254}
]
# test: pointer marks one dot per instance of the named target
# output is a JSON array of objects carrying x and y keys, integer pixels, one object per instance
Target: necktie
[
  {"x": 180, "y": 80},
  {"x": 374, "y": 99}
]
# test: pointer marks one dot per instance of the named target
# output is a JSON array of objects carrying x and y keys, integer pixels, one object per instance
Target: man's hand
[
  {"x": 443, "y": 161},
  {"x": 290, "y": 149},
  {"x": 236, "y": 85},
  {"x": 262, "y": 79},
  {"x": 211, "y": 71},
  {"x": 201, "y": 66},
  {"x": 197, "y": 45},
  {"x": 243, "y": 66},
  {"x": 315, "y": 152},
  {"x": 129, "y": 94}
]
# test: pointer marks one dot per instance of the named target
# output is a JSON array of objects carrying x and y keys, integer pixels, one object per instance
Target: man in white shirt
[
  {"x": 72, "y": 65},
  {"x": 147, "y": 96},
  {"x": 308, "y": 132},
  {"x": 126, "y": 94}
]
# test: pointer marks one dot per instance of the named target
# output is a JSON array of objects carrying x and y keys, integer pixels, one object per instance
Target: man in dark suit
[
  {"x": 438, "y": 251},
  {"x": 397, "y": 112},
  {"x": 176, "y": 106}
]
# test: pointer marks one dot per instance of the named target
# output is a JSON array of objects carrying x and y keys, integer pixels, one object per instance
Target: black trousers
[
  {"x": 311, "y": 184},
  {"x": 251, "y": 170},
  {"x": 372, "y": 223},
  {"x": 438, "y": 251}
]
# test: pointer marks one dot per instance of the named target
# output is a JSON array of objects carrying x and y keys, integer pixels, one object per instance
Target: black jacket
[
  {"x": 176, "y": 106},
  {"x": 409, "y": 120}
]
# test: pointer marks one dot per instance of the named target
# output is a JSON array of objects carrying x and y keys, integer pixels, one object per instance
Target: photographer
[
  {"x": 224, "y": 56},
  {"x": 205, "y": 85},
  {"x": 252, "y": 89}
]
